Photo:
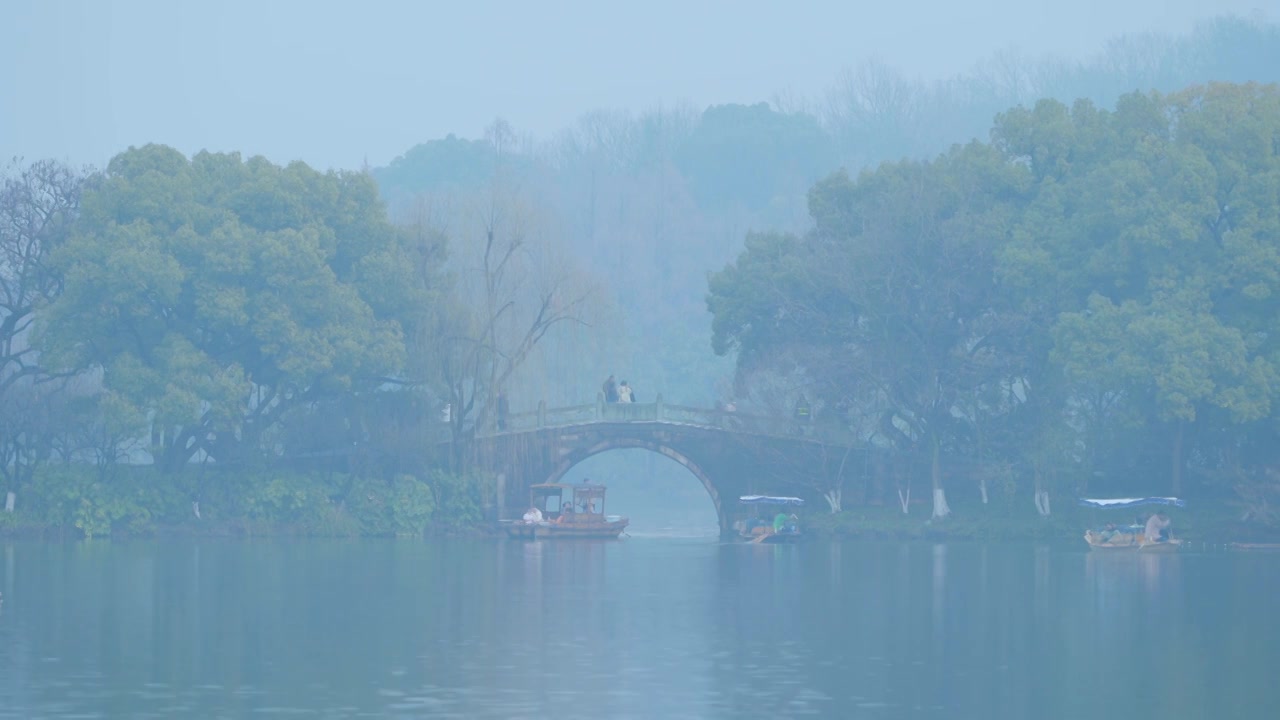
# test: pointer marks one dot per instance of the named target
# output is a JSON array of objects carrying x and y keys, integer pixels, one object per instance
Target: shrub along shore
[
  {"x": 68, "y": 502},
  {"x": 73, "y": 502}
]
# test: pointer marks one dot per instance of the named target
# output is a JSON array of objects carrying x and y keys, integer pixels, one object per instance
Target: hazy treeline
[
  {"x": 647, "y": 203},
  {"x": 1088, "y": 303},
  {"x": 212, "y": 316}
]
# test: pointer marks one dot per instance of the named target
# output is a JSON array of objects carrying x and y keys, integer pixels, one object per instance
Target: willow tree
[
  {"x": 39, "y": 204},
  {"x": 513, "y": 289}
]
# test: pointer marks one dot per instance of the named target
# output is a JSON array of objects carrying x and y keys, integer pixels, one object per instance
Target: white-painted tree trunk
[
  {"x": 833, "y": 500},
  {"x": 195, "y": 508},
  {"x": 940, "y": 507},
  {"x": 1041, "y": 496},
  {"x": 904, "y": 500},
  {"x": 1042, "y": 502},
  {"x": 982, "y": 488},
  {"x": 500, "y": 495},
  {"x": 10, "y": 499}
]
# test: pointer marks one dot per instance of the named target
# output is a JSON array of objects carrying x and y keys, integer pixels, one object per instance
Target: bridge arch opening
[{"x": 643, "y": 490}]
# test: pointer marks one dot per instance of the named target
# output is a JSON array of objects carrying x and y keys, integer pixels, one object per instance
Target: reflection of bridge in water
[{"x": 731, "y": 453}]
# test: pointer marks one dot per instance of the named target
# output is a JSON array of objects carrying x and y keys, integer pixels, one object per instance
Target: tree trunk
[
  {"x": 901, "y": 479},
  {"x": 500, "y": 495},
  {"x": 1177, "y": 457},
  {"x": 982, "y": 465},
  {"x": 833, "y": 500},
  {"x": 10, "y": 499},
  {"x": 1042, "y": 502},
  {"x": 940, "y": 508},
  {"x": 1041, "y": 495}
]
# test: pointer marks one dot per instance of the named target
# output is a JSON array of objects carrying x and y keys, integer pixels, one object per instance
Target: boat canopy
[
  {"x": 769, "y": 500},
  {"x": 1130, "y": 502}
]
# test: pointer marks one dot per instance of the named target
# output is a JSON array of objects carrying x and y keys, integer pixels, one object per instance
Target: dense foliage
[
  {"x": 219, "y": 295},
  {"x": 256, "y": 319},
  {"x": 1087, "y": 300}
]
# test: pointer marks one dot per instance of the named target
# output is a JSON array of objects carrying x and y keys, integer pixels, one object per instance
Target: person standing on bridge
[
  {"x": 610, "y": 390},
  {"x": 624, "y": 393}
]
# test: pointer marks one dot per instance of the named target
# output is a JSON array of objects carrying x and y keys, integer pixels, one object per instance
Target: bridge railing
[
  {"x": 729, "y": 420},
  {"x": 545, "y": 417},
  {"x": 554, "y": 417},
  {"x": 659, "y": 411}
]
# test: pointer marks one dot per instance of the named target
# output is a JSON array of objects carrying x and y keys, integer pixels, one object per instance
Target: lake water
[{"x": 645, "y": 627}]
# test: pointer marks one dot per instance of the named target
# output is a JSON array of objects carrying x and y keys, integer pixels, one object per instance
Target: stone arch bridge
[{"x": 730, "y": 453}]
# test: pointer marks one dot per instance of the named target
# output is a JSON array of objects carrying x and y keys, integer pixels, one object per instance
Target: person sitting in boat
[
  {"x": 1155, "y": 530},
  {"x": 779, "y": 522},
  {"x": 533, "y": 515},
  {"x": 565, "y": 512}
]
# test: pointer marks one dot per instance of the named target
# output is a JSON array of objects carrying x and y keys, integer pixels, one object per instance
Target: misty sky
[{"x": 335, "y": 83}]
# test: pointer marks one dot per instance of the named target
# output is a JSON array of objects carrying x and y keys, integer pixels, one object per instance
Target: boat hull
[
  {"x": 1138, "y": 545},
  {"x": 775, "y": 539},
  {"x": 770, "y": 538},
  {"x": 609, "y": 528},
  {"x": 518, "y": 528},
  {"x": 606, "y": 528}
]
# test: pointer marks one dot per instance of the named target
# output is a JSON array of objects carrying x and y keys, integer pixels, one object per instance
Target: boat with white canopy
[
  {"x": 1131, "y": 537},
  {"x": 769, "y": 519}
]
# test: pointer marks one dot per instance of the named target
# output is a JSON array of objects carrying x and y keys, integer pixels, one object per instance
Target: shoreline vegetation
[{"x": 72, "y": 504}]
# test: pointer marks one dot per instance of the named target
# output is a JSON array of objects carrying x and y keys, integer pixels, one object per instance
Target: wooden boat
[
  {"x": 559, "y": 510},
  {"x": 767, "y": 520},
  {"x": 1131, "y": 540},
  {"x": 1128, "y": 538}
]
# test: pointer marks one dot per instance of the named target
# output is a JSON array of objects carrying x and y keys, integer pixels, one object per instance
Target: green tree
[
  {"x": 893, "y": 290},
  {"x": 1149, "y": 255},
  {"x": 219, "y": 294}
]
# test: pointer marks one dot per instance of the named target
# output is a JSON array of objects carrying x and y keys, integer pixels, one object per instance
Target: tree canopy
[
  {"x": 217, "y": 293},
  {"x": 1105, "y": 269}
]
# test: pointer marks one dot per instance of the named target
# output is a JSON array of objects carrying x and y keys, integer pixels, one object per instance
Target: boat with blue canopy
[
  {"x": 769, "y": 518},
  {"x": 1132, "y": 537}
]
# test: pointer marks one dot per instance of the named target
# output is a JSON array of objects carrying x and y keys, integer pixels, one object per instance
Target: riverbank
[{"x": 73, "y": 502}]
